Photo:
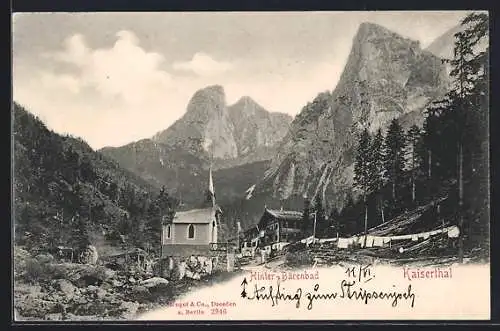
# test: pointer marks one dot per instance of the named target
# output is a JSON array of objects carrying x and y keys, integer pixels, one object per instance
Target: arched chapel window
[{"x": 191, "y": 231}]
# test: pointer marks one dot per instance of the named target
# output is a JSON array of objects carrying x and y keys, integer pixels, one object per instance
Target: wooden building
[
  {"x": 280, "y": 227},
  {"x": 276, "y": 229}
]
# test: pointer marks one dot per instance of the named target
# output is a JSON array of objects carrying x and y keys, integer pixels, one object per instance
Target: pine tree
[
  {"x": 113, "y": 191},
  {"x": 306, "y": 217},
  {"x": 394, "y": 157},
  {"x": 80, "y": 235},
  {"x": 320, "y": 215},
  {"x": 160, "y": 210},
  {"x": 363, "y": 178},
  {"x": 334, "y": 221},
  {"x": 71, "y": 168},
  {"x": 377, "y": 169},
  {"x": 87, "y": 171},
  {"x": 347, "y": 214},
  {"x": 469, "y": 71},
  {"x": 413, "y": 137},
  {"x": 430, "y": 142}
]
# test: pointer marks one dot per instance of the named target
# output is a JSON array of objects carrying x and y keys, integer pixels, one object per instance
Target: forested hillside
[{"x": 65, "y": 193}]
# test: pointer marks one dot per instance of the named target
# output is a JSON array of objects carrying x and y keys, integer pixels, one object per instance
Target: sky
[{"x": 114, "y": 78}]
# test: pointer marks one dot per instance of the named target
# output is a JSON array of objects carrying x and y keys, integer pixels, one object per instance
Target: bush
[
  {"x": 37, "y": 271},
  {"x": 299, "y": 258}
]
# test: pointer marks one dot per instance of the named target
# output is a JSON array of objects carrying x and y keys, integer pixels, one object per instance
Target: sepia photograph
[{"x": 243, "y": 166}]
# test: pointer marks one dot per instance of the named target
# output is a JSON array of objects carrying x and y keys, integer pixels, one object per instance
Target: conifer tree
[
  {"x": 347, "y": 214},
  {"x": 469, "y": 71},
  {"x": 80, "y": 234},
  {"x": 430, "y": 142},
  {"x": 320, "y": 215},
  {"x": 159, "y": 210},
  {"x": 363, "y": 178},
  {"x": 394, "y": 157},
  {"x": 377, "y": 169},
  {"x": 413, "y": 137},
  {"x": 306, "y": 217},
  {"x": 334, "y": 221}
]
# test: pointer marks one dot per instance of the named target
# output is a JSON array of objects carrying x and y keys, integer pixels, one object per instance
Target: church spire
[{"x": 211, "y": 187}]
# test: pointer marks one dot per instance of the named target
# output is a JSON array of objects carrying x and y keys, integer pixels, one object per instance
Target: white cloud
[
  {"x": 76, "y": 52},
  {"x": 115, "y": 95},
  {"x": 124, "y": 70},
  {"x": 59, "y": 83},
  {"x": 203, "y": 65}
]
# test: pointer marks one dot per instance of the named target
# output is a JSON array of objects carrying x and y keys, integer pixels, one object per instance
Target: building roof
[
  {"x": 195, "y": 216},
  {"x": 285, "y": 214}
]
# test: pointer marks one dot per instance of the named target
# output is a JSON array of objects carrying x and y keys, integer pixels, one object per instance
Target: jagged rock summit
[
  {"x": 386, "y": 76},
  {"x": 225, "y": 131},
  {"x": 179, "y": 157}
]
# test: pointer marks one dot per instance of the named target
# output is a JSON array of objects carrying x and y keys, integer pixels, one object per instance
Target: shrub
[
  {"x": 37, "y": 271},
  {"x": 298, "y": 258}
]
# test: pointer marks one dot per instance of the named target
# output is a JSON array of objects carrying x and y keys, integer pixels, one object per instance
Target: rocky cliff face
[
  {"x": 244, "y": 130},
  {"x": 205, "y": 122},
  {"x": 386, "y": 76},
  {"x": 442, "y": 46}
]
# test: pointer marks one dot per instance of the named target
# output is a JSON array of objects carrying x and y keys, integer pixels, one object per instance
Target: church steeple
[{"x": 211, "y": 189}]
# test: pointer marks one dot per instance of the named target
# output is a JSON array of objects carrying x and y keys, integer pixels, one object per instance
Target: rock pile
[
  {"x": 66, "y": 291},
  {"x": 194, "y": 267}
]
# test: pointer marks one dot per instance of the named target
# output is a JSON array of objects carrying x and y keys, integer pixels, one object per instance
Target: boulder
[
  {"x": 44, "y": 258},
  {"x": 65, "y": 286},
  {"x": 129, "y": 309},
  {"x": 80, "y": 300},
  {"x": 193, "y": 262},
  {"x": 139, "y": 293},
  {"x": 86, "y": 275},
  {"x": 92, "y": 289},
  {"x": 154, "y": 282},
  {"x": 206, "y": 266},
  {"x": 181, "y": 270},
  {"x": 193, "y": 275},
  {"x": 37, "y": 307},
  {"x": 101, "y": 293},
  {"x": 116, "y": 283}
]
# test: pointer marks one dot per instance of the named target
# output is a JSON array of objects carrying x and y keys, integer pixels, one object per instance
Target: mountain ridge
[
  {"x": 386, "y": 76},
  {"x": 179, "y": 157}
]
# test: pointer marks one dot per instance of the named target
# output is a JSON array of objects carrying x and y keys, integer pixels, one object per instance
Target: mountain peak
[
  {"x": 368, "y": 28},
  {"x": 216, "y": 88},
  {"x": 245, "y": 101},
  {"x": 207, "y": 99}
]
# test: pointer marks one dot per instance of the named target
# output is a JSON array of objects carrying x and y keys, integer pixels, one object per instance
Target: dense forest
[
  {"x": 396, "y": 171},
  {"x": 67, "y": 194}
]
